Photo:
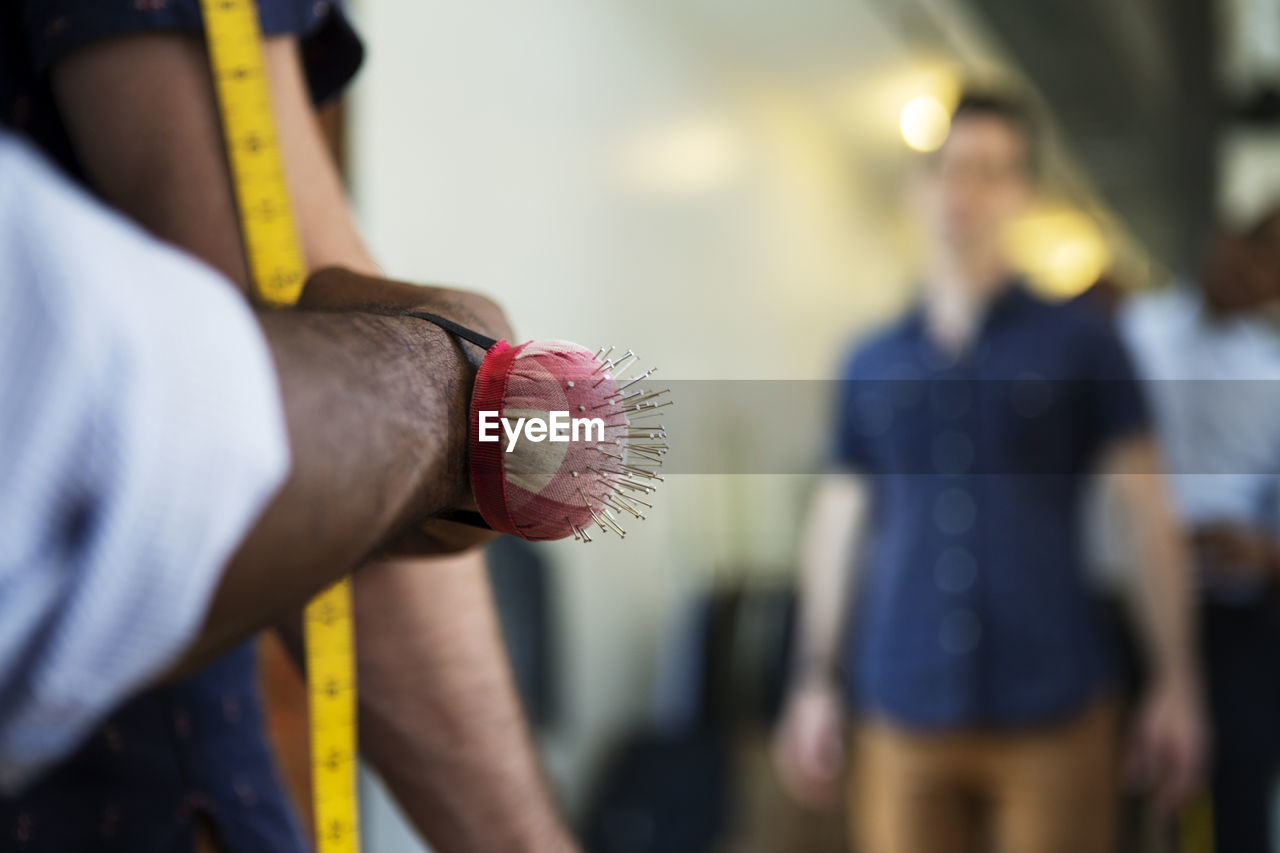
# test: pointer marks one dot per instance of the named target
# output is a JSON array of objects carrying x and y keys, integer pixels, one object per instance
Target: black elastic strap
[
  {"x": 484, "y": 342},
  {"x": 460, "y": 516},
  {"x": 464, "y": 516}
]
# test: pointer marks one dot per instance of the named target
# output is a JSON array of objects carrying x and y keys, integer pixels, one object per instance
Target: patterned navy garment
[
  {"x": 193, "y": 750},
  {"x": 974, "y": 608},
  {"x": 184, "y": 752},
  {"x": 35, "y": 34}
]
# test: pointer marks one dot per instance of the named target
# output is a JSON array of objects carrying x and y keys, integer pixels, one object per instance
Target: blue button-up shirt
[{"x": 974, "y": 609}]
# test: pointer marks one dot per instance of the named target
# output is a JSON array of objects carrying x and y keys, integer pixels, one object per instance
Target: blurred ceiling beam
[{"x": 1131, "y": 85}]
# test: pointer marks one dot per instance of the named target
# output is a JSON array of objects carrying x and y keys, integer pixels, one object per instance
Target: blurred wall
[{"x": 613, "y": 175}]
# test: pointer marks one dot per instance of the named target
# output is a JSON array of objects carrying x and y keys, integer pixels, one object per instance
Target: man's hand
[
  {"x": 1170, "y": 745},
  {"x": 1236, "y": 550},
  {"x": 808, "y": 748}
]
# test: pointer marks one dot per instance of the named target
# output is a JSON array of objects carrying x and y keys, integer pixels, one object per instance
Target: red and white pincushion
[{"x": 604, "y": 464}]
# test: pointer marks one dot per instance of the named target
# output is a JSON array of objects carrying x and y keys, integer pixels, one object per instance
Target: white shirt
[
  {"x": 1214, "y": 386},
  {"x": 141, "y": 434}
]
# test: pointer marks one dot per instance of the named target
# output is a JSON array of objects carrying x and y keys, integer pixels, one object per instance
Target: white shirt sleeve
[{"x": 141, "y": 435}]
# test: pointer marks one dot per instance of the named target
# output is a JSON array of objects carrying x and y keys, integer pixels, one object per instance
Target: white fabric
[
  {"x": 1214, "y": 388},
  {"x": 141, "y": 434}
]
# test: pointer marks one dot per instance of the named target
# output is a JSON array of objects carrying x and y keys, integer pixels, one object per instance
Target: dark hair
[{"x": 1008, "y": 108}]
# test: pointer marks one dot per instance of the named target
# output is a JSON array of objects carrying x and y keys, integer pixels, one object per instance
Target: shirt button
[
  {"x": 952, "y": 452},
  {"x": 960, "y": 632},
  {"x": 954, "y": 511},
  {"x": 955, "y": 570}
]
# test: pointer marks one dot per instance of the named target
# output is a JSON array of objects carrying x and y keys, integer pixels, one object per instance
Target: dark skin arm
[
  {"x": 341, "y": 289},
  {"x": 143, "y": 119},
  {"x": 402, "y": 390}
]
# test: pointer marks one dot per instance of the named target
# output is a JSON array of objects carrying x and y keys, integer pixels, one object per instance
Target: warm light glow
[
  {"x": 1061, "y": 250},
  {"x": 685, "y": 157},
  {"x": 924, "y": 123}
]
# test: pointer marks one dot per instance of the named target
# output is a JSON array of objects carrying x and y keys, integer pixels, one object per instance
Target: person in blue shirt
[
  {"x": 1210, "y": 354},
  {"x": 944, "y": 595}
]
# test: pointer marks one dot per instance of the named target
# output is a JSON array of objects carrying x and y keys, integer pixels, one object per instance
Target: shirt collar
[{"x": 1012, "y": 297}]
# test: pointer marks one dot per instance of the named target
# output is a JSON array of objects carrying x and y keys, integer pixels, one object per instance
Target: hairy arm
[
  {"x": 473, "y": 782},
  {"x": 402, "y": 391},
  {"x": 446, "y": 732},
  {"x": 143, "y": 117}
]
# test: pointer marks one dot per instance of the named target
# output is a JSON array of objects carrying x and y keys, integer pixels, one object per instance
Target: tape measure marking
[{"x": 278, "y": 271}]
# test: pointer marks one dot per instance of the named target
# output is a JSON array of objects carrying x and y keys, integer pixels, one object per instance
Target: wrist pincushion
[{"x": 559, "y": 438}]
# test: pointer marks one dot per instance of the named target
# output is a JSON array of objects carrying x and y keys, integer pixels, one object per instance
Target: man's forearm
[
  {"x": 1165, "y": 602},
  {"x": 827, "y": 567},
  {"x": 439, "y": 713},
  {"x": 376, "y": 412},
  {"x": 1162, "y": 558}
]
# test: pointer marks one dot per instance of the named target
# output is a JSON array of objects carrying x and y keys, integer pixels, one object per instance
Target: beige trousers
[{"x": 1045, "y": 790}]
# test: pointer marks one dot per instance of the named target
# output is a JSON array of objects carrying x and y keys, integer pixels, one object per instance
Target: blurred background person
[
  {"x": 1210, "y": 352},
  {"x": 983, "y": 681}
]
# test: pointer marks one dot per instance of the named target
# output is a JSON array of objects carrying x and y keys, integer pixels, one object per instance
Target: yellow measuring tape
[
  {"x": 1195, "y": 825},
  {"x": 279, "y": 271}
]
